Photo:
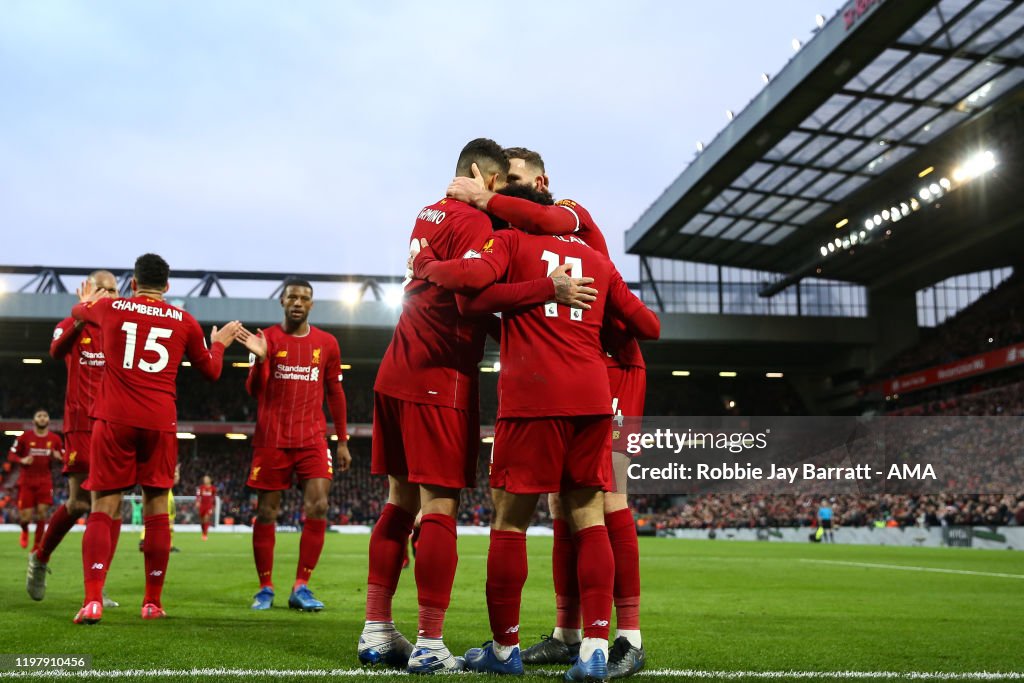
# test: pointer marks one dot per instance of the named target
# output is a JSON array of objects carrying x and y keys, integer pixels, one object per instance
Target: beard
[{"x": 528, "y": 192}]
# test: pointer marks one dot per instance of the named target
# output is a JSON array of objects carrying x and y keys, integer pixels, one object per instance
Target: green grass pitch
[{"x": 708, "y": 606}]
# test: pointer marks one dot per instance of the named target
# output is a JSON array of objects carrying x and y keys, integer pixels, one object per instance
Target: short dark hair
[
  {"x": 527, "y": 155},
  {"x": 486, "y": 154},
  {"x": 40, "y": 410},
  {"x": 296, "y": 282},
  {"x": 151, "y": 271}
]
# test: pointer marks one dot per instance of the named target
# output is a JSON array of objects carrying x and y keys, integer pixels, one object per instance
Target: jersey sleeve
[
  {"x": 58, "y": 449},
  {"x": 91, "y": 311},
  {"x": 64, "y": 336},
  {"x": 259, "y": 370},
  {"x": 479, "y": 267},
  {"x": 641, "y": 321},
  {"x": 501, "y": 297},
  {"x": 541, "y": 219},
  {"x": 14, "y": 455},
  {"x": 209, "y": 361},
  {"x": 336, "y": 402}
]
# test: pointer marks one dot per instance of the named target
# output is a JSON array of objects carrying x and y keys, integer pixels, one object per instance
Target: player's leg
[
  {"x": 63, "y": 518},
  {"x": 26, "y": 503},
  {"x": 158, "y": 548},
  {"x": 96, "y": 552},
  {"x": 563, "y": 645},
  {"x": 42, "y": 511},
  {"x": 627, "y": 655},
  {"x": 268, "y": 507},
  {"x": 443, "y": 446},
  {"x": 172, "y": 513},
  {"x": 157, "y": 461},
  {"x": 380, "y": 642},
  {"x": 270, "y": 474},
  {"x": 311, "y": 544},
  {"x": 587, "y": 474},
  {"x": 435, "y": 576}
]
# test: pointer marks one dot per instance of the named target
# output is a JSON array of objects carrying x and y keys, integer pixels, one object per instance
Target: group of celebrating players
[{"x": 568, "y": 328}]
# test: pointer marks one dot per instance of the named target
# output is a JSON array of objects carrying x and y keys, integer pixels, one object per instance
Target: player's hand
[
  {"x": 343, "y": 460},
  {"x": 88, "y": 292},
  {"x": 27, "y": 460},
  {"x": 572, "y": 291},
  {"x": 471, "y": 190},
  {"x": 419, "y": 261},
  {"x": 227, "y": 334},
  {"x": 256, "y": 343},
  {"x": 55, "y": 454}
]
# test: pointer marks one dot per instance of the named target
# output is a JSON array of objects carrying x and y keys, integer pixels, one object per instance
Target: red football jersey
[
  {"x": 551, "y": 358},
  {"x": 144, "y": 341},
  {"x": 434, "y": 353},
  {"x": 81, "y": 349},
  {"x": 40, "y": 448},
  {"x": 565, "y": 217},
  {"x": 206, "y": 495},
  {"x": 289, "y": 385}
]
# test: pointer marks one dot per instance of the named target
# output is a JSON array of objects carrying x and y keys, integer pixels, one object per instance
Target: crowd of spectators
[{"x": 996, "y": 319}]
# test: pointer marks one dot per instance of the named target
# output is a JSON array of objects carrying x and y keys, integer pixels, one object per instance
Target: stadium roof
[{"x": 885, "y": 90}]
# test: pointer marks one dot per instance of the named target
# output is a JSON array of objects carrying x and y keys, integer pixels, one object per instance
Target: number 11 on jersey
[{"x": 575, "y": 264}]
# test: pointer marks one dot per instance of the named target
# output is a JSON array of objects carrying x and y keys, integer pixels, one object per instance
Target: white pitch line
[
  {"x": 671, "y": 673},
  {"x": 909, "y": 568}
]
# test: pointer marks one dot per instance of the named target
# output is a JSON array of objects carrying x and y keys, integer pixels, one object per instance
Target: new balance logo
[
  {"x": 512, "y": 629},
  {"x": 600, "y": 622},
  {"x": 97, "y": 565},
  {"x": 157, "y": 572}
]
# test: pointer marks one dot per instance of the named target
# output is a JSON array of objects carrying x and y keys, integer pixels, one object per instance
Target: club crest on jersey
[
  {"x": 316, "y": 357},
  {"x": 71, "y": 457},
  {"x": 488, "y": 246},
  {"x": 255, "y": 474}
]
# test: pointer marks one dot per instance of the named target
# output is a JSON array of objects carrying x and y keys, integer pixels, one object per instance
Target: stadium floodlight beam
[
  {"x": 819, "y": 19},
  {"x": 729, "y": 115},
  {"x": 765, "y": 77},
  {"x": 700, "y": 146},
  {"x": 877, "y": 219},
  {"x": 945, "y": 184},
  {"x": 394, "y": 297},
  {"x": 869, "y": 224},
  {"x": 831, "y": 247},
  {"x": 497, "y": 366},
  {"x": 185, "y": 436},
  {"x": 234, "y": 436},
  {"x": 680, "y": 373},
  {"x": 32, "y": 361},
  {"x": 13, "y": 432},
  {"x": 842, "y": 223},
  {"x": 824, "y": 251},
  {"x": 773, "y": 375},
  {"x": 925, "y": 172},
  {"x": 796, "y": 44},
  {"x": 351, "y": 295},
  {"x": 727, "y": 373},
  {"x": 925, "y": 193}
]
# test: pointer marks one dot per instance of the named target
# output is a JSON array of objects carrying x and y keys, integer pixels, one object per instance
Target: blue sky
[{"x": 305, "y": 137}]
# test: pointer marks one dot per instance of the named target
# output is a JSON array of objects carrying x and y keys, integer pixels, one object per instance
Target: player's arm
[
  {"x": 502, "y": 297},
  {"x": 64, "y": 336},
  {"x": 209, "y": 360},
  {"x": 466, "y": 275},
  {"x": 259, "y": 351},
  {"x": 337, "y": 406},
  {"x": 640, "y": 321},
  {"x": 57, "y": 453},
  {"x": 14, "y": 455}
]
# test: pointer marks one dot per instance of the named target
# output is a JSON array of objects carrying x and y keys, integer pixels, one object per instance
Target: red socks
[
  {"x": 436, "y": 560},
  {"x": 157, "y": 551},
  {"x": 389, "y": 538},
  {"x": 263, "y": 552},
  {"x": 40, "y": 530},
  {"x": 115, "y": 535},
  {"x": 563, "y": 570},
  {"x": 206, "y": 528},
  {"x": 59, "y": 525},
  {"x": 625, "y": 548},
  {"x": 506, "y": 575},
  {"x": 310, "y": 545},
  {"x": 95, "y": 554},
  {"x": 595, "y": 580}
]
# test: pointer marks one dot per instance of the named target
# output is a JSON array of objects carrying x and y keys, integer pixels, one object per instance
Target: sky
[{"x": 305, "y": 137}]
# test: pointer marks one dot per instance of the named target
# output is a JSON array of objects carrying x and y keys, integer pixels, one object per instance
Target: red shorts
[
  {"x": 550, "y": 454},
  {"x": 274, "y": 469},
  {"x": 205, "y": 510},
  {"x": 34, "y": 492},
  {"x": 424, "y": 443},
  {"x": 76, "y": 455},
  {"x": 123, "y": 456},
  {"x": 629, "y": 387}
]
